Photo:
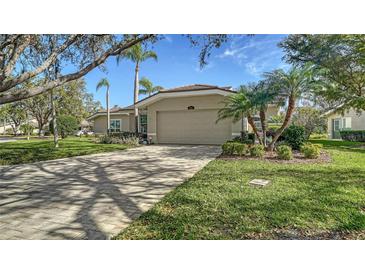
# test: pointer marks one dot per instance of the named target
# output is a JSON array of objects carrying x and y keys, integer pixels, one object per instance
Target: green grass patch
[
  {"x": 303, "y": 201},
  {"x": 34, "y": 150}
]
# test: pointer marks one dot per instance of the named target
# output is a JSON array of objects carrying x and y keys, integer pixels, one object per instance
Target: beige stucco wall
[
  {"x": 181, "y": 103},
  {"x": 357, "y": 121},
  {"x": 100, "y": 122}
]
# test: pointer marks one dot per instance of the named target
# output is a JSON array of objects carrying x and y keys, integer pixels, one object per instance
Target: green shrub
[
  {"x": 245, "y": 138},
  {"x": 294, "y": 136},
  {"x": 227, "y": 148},
  {"x": 257, "y": 151},
  {"x": 239, "y": 149},
  {"x": 315, "y": 136},
  {"x": 353, "y": 135},
  {"x": 311, "y": 151},
  {"x": 66, "y": 125},
  {"x": 232, "y": 147},
  {"x": 27, "y": 129},
  {"x": 131, "y": 141},
  {"x": 284, "y": 152},
  {"x": 9, "y": 131}
]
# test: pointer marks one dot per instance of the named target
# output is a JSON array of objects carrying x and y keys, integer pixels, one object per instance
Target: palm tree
[
  {"x": 261, "y": 96},
  {"x": 105, "y": 83},
  {"x": 239, "y": 105},
  {"x": 148, "y": 87},
  {"x": 288, "y": 86},
  {"x": 137, "y": 55}
]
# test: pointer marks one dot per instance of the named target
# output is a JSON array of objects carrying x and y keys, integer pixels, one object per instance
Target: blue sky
[{"x": 243, "y": 59}]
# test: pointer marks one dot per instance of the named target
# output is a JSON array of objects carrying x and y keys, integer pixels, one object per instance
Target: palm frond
[
  {"x": 149, "y": 55},
  {"x": 102, "y": 83}
]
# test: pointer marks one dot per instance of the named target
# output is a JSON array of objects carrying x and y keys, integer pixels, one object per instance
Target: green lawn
[
  {"x": 305, "y": 201},
  {"x": 35, "y": 150}
]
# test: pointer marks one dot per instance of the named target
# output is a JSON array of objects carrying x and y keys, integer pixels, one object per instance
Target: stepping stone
[{"x": 259, "y": 182}]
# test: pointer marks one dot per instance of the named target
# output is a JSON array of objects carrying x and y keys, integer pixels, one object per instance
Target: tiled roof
[
  {"x": 193, "y": 87},
  {"x": 116, "y": 109}
]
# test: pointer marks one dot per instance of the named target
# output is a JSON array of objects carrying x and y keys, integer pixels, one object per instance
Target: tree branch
[
  {"x": 17, "y": 51},
  {"x": 27, "y": 75},
  {"x": 24, "y": 93}
]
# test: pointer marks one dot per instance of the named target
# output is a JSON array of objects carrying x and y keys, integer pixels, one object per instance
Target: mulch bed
[{"x": 298, "y": 158}]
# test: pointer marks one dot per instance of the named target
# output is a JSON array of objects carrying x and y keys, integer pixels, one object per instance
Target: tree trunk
[
  {"x": 107, "y": 112},
  {"x": 263, "y": 126},
  {"x": 288, "y": 115},
  {"x": 40, "y": 128},
  {"x": 14, "y": 128},
  {"x": 136, "y": 91},
  {"x": 54, "y": 119},
  {"x": 252, "y": 124}
]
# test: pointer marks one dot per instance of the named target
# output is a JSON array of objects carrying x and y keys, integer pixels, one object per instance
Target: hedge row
[{"x": 353, "y": 135}]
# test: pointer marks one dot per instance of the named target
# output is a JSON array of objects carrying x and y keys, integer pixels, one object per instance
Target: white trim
[
  {"x": 175, "y": 94},
  {"x": 152, "y": 134}
]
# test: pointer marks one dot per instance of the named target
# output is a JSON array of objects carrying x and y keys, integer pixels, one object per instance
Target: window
[
  {"x": 115, "y": 125},
  {"x": 143, "y": 123}
]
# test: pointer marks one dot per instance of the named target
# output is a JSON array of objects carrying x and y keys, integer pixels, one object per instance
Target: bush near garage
[{"x": 234, "y": 148}]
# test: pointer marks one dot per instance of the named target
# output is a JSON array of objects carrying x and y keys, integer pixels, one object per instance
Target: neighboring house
[
  {"x": 121, "y": 119},
  {"x": 349, "y": 120},
  {"x": 8, "y": 126},
  {"x": 182, "y": 115}
]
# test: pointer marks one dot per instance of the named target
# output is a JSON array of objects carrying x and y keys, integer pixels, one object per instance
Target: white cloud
[{"x": 255, "y": 54}]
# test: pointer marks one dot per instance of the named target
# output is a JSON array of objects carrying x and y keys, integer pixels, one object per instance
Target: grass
[
  {"x": 304, "y": 201},
  {"x": 34, "y": 150}
]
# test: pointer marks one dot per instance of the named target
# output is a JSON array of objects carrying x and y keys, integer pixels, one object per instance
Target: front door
[{"x": 336, "y": 128}]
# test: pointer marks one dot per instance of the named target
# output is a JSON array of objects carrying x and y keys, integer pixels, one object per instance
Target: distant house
[
  {"x": 349, "y": 120},
  {"x": 8, "y": 127},
  {"x": 181, "y": 115},
  {"x": 121, "y": 119}
]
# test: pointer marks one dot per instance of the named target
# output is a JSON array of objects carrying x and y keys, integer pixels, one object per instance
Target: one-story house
[
  {"x": 181, "y": 115},
  {"x": 350, "y": 119},
  {"x": 121, "y": 119}
]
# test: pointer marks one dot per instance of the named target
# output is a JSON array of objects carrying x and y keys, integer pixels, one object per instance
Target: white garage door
[{"x": 192, "y": 127}]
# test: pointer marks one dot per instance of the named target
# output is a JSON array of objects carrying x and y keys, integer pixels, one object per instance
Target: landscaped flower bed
[{"x": 309, "y": 153}]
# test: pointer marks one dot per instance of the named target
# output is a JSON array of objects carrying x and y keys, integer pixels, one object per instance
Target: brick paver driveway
[{"x": 94, "y": 196}]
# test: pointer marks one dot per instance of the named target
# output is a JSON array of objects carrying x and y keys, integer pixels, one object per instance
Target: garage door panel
[{"x": 192, "y": 127}]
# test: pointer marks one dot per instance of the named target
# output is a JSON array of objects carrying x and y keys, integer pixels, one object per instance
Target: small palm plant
[
  {"x": 239, "y": 105},
  {"x": 105, "y": 83},
  {"x": 148, "y": 87},
  {"x": 289, "y": 86}
]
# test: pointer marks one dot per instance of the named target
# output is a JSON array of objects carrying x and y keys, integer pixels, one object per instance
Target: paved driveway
[{"x": 94, "y": 196}]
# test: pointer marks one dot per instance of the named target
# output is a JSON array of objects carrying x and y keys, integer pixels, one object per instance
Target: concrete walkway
[{"x": 94, "y": 196}]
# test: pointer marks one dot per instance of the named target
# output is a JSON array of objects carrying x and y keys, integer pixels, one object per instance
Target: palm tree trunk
[
  {"x": 254, "y": 128},
  {"x": 263, "y": 126},
  {"x": 136, "y": 88},
  {"x": 107, "y": 112},
  {"x": 288, "y": 115},
  {"x": 54, "y": 119}
]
